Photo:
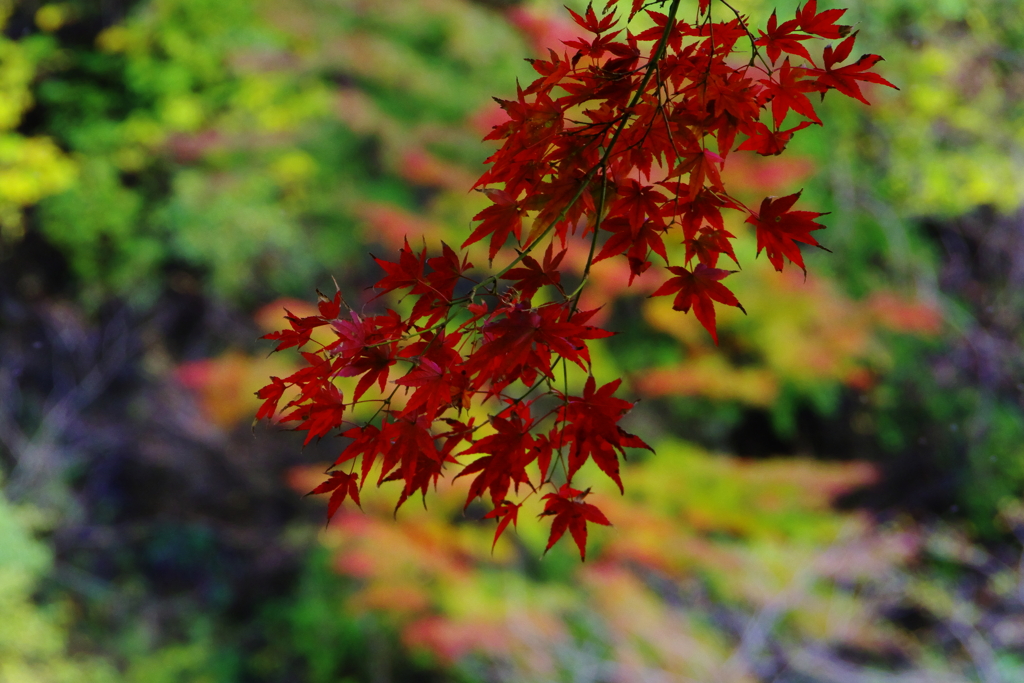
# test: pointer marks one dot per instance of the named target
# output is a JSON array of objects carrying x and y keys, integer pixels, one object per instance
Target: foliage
[
  {"x": 737, "y": 571},
  {"x": 216, "y": 135},
  {"x": 943, "y": 145},
  {"x": 558, "y": 176},
  {"x": 31, "y": 167},
  {"x": 944, "y": 154},
  {"x": 703, "y": 544},
  {"x": 801, "y": 334},
  {"x": 34, "y": 638}
]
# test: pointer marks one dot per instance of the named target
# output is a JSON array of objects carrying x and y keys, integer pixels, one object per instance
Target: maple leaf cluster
[{"x": 621, "y": 141}]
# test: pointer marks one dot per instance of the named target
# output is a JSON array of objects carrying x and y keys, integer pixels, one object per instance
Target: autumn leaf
[
  {"x": 271, "y": 395},
  {"x": 590, "y": 427},
  {"x": 789, "y": 92},
  {"x": 532, "y": 275},
  {"x": 570, "y": 512},
  {"x": 501, "y": 219},
  {"x": 768, "y": 142},
  {"x": 506, "y": 456},
  {"x": 437, "y": 379},
  {"x": 343, "y": 485},
  {"x": 821, "y": 23},
  {"x": 505, "y": 512},
  {"x": 779, "y": 230},
  {"x": 322, "y": 414},
  {"x": 783, "y": 38},
  {"x": 699, "y": 289},
  {"x": 520, "y": 343},
  {"x": 709, "y": 245},
  {"x": 637, "y": 242},
  {"x": 329, "y": 308},
  {"x": 406, "y": 441},
  {"x": 406, "y": 273},
  {"x": 844, "y": 79},
  {"x": 591, "y": 23},
  {"x": 615, "y": 145},
  {"x": 373, "y": 363}
]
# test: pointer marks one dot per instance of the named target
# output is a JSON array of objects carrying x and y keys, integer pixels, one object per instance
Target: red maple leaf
[
  {"x": 590, "y": 425},
  {"x": 701, "y": 165},
  {"x": 403, "y": 442},
  {"x": 506, "y": 455},
  {"x": 366, "y": 442},
  {"x": 570, "y": 512},
  {"x": 699, "y": 288},
  {"x": 788, "y": 92},
  {"x": 821, "y": 23},
  {"x": 298, "y": 336},
  {"x": 501, "y": 219},
  {"x": 419, "y": 475},
  {"x": 447, "y": 270},
  {"x": 271, "y": 395},
  {"x": 406, "y": 273},
  {"x": 594, "y": 49},
  {"x": 531, "y": 276},
  {"x": 437, "y": 378},
  {"x": 553, "y": 70},
  {"x": 626, "y": 56},
  {"x": 661, "y": 24},
  {"x": 705, "y": 206},
  {"x": 505, "y": 512},
  {"x": 553, "y": 199},
  {"x": 844, "y": 79},
  {"x": 344, "y": 485},
  {"x": 329, "y": 308},
  {"x": 590, "y": 22},
  {"x": 356, "y": 333},
  {"x": 779, "y": 230},
  {"x": 768, "y": 142},
  {"x": 638, "y": 203},
  {"x": 637, "y": 242},
  {"x": 438, "y": 286},
  {"x": 709, "y": 244},
  {"x": 323, "y": 413},
  {"x": 375, "y": 360},
  {"x": 520, "y": 343},
  {"x": 783, "y": 38}
]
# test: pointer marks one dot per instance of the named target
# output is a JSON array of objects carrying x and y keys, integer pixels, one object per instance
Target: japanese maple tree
[{"x": 621, "y": 141}]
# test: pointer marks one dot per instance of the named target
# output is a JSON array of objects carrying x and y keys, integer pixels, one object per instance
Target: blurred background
[{"x": 836, "y": 494}]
